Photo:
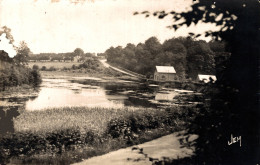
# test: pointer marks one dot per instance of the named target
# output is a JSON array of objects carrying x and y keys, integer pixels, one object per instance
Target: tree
[
  {"x": 22, "y": 55},
  {"x": 234, "y": 106},
  {"x": 153, "y": 45},
  {"x": 200, "y": 59},
  {"x": 78, "y": 52},
  {"x": 217, "y": 46}
]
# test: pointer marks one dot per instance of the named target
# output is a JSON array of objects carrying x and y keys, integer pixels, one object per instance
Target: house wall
[{"x": 165, "y": 76}]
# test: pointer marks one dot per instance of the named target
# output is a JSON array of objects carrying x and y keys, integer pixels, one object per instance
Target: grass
[
  {"x": 58, "y": 65},
  {"x": 84, "y": 118}
]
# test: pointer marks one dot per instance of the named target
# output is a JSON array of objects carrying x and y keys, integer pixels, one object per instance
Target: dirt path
[
  {"x": 117, "y": 69},
  {"x": 166, "y": 146}
]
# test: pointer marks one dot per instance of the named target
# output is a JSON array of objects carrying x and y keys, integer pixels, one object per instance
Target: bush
[
  {"x": 43, "y": 68},
  {"x": 15, "y": 75},
  {"x": 18, "y": 144},
  {"x": 52, "y": 68},
  {"x": 74, "y": 67},
  {"x": 35, "y": 77},
  {"x": 65, "y": 68},
  {"x": 35, "y": 67}
]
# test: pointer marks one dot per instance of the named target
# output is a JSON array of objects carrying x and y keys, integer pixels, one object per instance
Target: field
[{"x": 57, "y": 65}]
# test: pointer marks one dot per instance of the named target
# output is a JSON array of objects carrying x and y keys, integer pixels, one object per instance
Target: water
[
  {"x": 59, "y": 93},
  {"x": 86, "y": 91}
]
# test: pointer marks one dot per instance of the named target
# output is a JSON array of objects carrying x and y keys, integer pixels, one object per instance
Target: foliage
[
  {"x": 5, "y": 57},
  {"x": 23, "y": 52},
  {"x": 90, "y": 64},
  {"x": 43, "y": 68},
  {"x": 12, "y": 70},
  {"x": 16, "y": 75},
  {"x": 234, "y": 102},
  {"x": 188, "y": 56},
  {"x": 7, "y": 31},
  {"x": 78, "y": 52},
  {"x": 35, "y": 67},
  {"x": 61, "y": 56}
]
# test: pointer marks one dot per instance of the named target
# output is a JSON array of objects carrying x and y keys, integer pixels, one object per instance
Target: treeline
[
  {"x": 188, "y": 56},
  {"x": 69, "y": 56},
  {"x": 14, "y": 74}
]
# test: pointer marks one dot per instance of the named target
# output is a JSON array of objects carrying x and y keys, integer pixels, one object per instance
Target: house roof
[
  {"x": 206, "y": 78},
  {"x": 165, "y": 69}
]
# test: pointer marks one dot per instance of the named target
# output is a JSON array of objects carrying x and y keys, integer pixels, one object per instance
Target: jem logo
[{"x": 235, "y": 140}]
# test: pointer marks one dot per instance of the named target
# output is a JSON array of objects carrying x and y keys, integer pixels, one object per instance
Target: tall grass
[{"x": 83, "y": 118}]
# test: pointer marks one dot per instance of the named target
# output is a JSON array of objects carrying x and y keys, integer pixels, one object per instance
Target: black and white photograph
[{"x": 129, "y": 82}]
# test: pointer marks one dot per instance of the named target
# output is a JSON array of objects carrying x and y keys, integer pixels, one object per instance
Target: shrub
[
  {"x": 65, "y": 68},
  {"x": 15, "y": 75},
  {"x": 18, "y": 144},
  {"x": 52, "y": 68},
  {"x": 74, "y": 67},
  {"x": 35, "y": 77},
  {"x": 43, "y": 68},
  {"x": 35, "y": 67}
]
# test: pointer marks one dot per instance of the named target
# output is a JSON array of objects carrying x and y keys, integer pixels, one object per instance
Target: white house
[
  {"x": 165, "y": 73},
  {"x": 206, "y": 78}
]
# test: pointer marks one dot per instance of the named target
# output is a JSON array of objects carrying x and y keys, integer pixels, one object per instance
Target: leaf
[
  {"x": 145, "y": 12},
  {"x": 198, "y": 35}
]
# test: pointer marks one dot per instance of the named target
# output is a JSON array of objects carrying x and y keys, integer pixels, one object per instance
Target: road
[{"x": 104, "y": 62}]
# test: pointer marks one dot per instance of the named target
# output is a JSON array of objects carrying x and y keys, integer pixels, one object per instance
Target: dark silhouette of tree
[
  {"x": 200, "y": 59},
  {"x": 234, "y": 106}
]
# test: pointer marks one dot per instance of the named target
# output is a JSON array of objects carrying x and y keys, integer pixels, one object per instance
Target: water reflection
[
  {"x": 97, "y": 92},
  {"x": 59, "y": 93},
  {"x": 60, "y": 97}
]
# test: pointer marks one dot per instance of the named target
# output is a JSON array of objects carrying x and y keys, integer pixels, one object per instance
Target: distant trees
[
  {"x": 188, "y": 56},
  {"x": 69, "y": 56}
]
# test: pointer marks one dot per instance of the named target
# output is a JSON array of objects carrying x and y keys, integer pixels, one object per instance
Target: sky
[{"x": 92, "y": 25}]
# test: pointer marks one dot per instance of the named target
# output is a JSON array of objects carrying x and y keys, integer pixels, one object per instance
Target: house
[
  {"x": 206, "y": 78},
  {"x": 165, "y": 73}
]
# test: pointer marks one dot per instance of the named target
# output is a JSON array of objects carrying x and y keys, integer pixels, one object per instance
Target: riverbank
[{"x": 67, "y": 135}]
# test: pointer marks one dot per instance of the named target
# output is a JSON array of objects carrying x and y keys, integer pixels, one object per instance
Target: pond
[{"x": 87, "y": 91}]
